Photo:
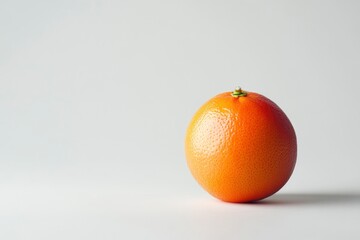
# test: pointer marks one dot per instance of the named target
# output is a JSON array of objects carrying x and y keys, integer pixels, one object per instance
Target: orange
[{"x": 241, "y": 147}]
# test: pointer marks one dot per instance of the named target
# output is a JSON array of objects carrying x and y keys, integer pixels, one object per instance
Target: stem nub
[{"x": 238, "y": 93}]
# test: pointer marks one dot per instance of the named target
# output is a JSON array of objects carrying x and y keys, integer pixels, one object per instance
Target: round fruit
[{"x": 241, "y": 147}]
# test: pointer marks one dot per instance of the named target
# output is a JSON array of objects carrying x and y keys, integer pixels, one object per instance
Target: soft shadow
[{"x": 310, "y": 199}]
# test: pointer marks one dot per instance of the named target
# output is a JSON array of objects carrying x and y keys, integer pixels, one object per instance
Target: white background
[{"x": 95, "y": 98}]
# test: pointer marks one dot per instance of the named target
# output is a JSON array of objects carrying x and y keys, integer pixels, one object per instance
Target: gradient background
[{"x": 95, "y": 98}]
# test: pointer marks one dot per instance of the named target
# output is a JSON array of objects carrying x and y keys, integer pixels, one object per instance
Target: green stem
[{"x": 238, "y": 93}]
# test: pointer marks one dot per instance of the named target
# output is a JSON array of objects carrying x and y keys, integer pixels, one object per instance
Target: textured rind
[{"x": 241, "y": 149}]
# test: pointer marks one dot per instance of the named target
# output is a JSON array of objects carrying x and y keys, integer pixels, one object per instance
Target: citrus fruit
[{"x": 240, "y": 147}]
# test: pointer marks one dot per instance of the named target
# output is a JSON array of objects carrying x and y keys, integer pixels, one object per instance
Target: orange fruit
[{"x": 240, "y": 147}]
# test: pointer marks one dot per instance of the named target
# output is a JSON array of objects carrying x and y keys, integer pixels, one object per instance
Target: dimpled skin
[{"x": 241, "y": 149}]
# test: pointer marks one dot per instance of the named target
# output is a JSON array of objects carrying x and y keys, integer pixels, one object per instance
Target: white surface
[
  {"x": 88, "y": 212},
  {"x": 95, "y": 97}
]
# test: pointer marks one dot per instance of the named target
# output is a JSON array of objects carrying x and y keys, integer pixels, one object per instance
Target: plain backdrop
[{"x": 95, "y": 98}]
